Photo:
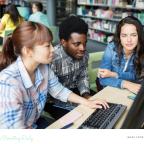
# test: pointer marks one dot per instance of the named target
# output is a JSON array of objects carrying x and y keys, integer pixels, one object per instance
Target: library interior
[{"x": 72, "y": 64}]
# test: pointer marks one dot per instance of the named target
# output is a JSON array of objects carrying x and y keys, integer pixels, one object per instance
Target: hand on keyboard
[
  {"x": 97, "y": 104},
  {"x": 104, "y": 119}
]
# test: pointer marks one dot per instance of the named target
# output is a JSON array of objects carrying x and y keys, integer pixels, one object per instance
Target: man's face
[{"x": 75, "y": 46}]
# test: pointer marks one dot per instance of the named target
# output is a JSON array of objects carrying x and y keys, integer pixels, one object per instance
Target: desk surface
[{"x": 110, "y": 94}]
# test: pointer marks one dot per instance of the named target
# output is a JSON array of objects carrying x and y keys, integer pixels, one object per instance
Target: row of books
[
  {"x": 109, "y": 14},
  {"x": 125, "y": 3},
  {"x": 101, "y": 25},
  {"x": 81, "y": 10},
  {"x": 2, "y": 2},
  {"x": 16, "y": 2},
  {"x": 99, "y": 36},
  {"x": 108, "y": 2}
]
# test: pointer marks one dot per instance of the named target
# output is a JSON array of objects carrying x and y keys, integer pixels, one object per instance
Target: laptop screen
[{"x": 135, "y": 116}]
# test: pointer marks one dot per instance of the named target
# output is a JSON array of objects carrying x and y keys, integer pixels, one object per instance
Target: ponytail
[{"x": 7, "y": 56}]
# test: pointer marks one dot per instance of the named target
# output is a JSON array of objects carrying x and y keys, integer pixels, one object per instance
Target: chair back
[
  {"x": 24, "y": 12},
  {"x": 0, "y": 48},
  {"x": 93, "y": 65},
  {"x": 7, "y": 34},
  {"x": 55, "y": 32}
]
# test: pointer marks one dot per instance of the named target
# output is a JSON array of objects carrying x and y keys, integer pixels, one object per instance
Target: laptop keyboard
[{"x": 104, "y": 119}]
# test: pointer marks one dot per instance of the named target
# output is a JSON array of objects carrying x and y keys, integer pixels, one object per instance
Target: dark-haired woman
[
  {"x": 10, "y": 20},
  {"x": 24, "y": 84},
  {"x": 122, "y": 62}
]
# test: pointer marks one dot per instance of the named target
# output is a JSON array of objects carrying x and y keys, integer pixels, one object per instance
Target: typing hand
[{"x": 97, "y": 104}]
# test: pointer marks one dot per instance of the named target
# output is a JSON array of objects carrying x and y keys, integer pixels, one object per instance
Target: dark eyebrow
[
  {"x": 126, "y": 34},
  {"x": 133, "y": 33},
  {"x": 78, "y": 42}
]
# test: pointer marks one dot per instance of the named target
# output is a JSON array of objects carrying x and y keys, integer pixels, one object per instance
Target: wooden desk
[{"x": 110, "y": 94}]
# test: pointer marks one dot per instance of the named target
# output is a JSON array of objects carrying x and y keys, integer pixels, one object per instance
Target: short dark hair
[
  {"x": 38, "y": 5},
  {"x": 70, "y": 25}
]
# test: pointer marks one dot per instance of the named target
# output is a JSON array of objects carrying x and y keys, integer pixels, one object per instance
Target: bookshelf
[
  {"x": 63, "y": 9},
  {"x": 3, "y": 4},
  {"x": 102, "y": 16}
]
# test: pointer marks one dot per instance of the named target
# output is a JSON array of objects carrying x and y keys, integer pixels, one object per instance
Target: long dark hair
[
  {"x": 139, "y": 50},
  {"x": 27, "y": 34},
  {"x": 13, "y": 12}
]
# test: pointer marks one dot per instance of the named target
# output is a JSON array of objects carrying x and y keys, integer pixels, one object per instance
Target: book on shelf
[{"x": 139, "y": 4}]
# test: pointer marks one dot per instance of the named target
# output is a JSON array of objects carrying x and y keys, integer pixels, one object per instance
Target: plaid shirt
[
  {"x": 72, "y": 73},
  {"x": 22, "y": 101}
]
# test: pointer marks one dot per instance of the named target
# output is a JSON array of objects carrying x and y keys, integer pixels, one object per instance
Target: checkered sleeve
[
  {"x": 83, "y": 80},
  {"x": 56, "y": 89},
  {"x": 11, "y": 115}
]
